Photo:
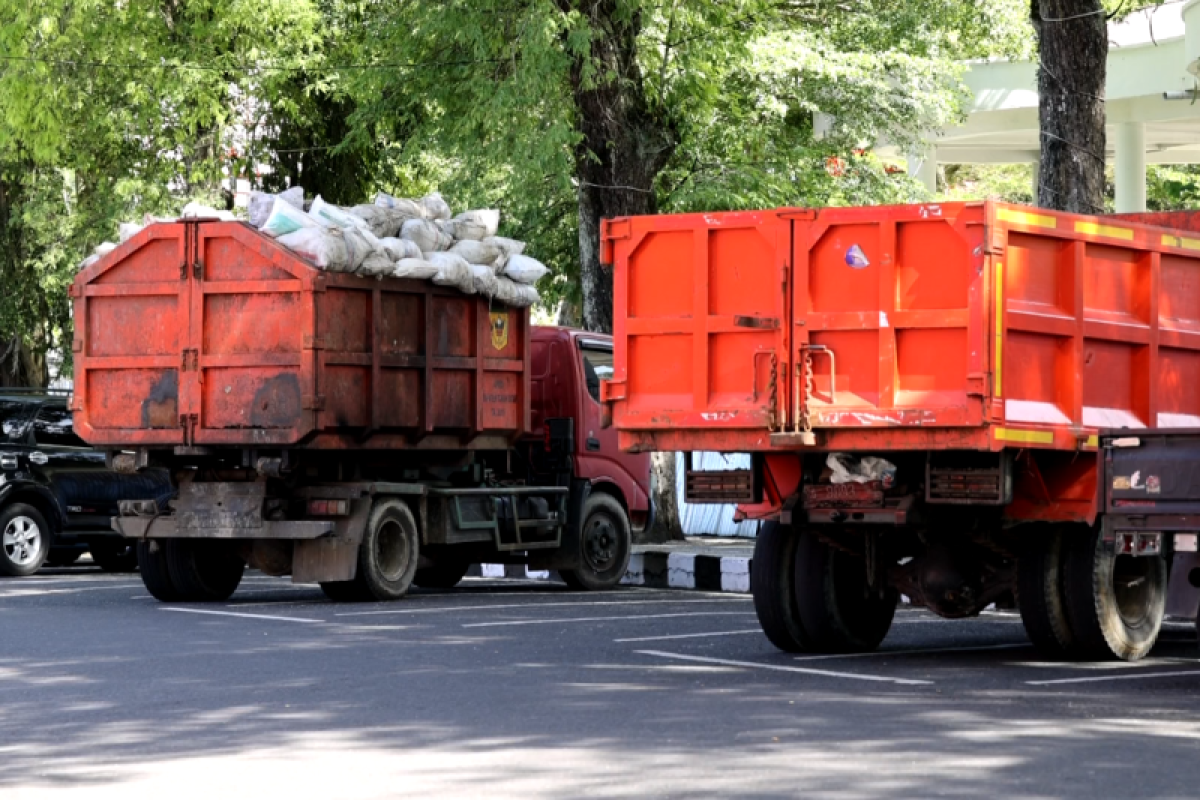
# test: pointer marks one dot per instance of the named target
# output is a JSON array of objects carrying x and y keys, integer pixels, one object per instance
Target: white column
[
  {"x": 1130, "y": 167},
  {"x": 923, "y": 167}
]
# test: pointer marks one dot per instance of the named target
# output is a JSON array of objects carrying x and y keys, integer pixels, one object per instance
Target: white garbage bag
[
  {"x": 383, "y": 222},
  {"x": 510, "y": 247},
  {"x": 427, "y": 235},
  {"x": 523, "y": 269},
  {"x": 377, "y": 264},
  {"x": 262, "y": 203},
  {"x": 332, "y": 249},
  {"x": 417, "y": 268},
  {"x": 398, "y": 249},
  {"x": 483, "y": 278},
  {"x": 435, "y": 207},
  {"x": 127, "y": 230},
  {"x": 285, "y": 218},
  {"x": 453, "y": 270},
  {"x": 478, "y": 224},
  {"x": 412, "y": 208},
  {"x": 847, "y": 468},
  {"x": 193, "y": 210},
  {"x": 476, "y": 252},
  {"x": 517, "y": 295}
]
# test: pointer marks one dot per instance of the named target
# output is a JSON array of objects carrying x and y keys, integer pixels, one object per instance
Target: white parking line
[
  {"x": 690, "y": 635},
  {"x": 1098, "y": 678},
  {"x": 780, "y": 668},
  {"x": 624, "y": 618},
  {"x": 570, "y": 604},
  {"x": 884, "y": 653},
  {"x": 235, "y": 614}
]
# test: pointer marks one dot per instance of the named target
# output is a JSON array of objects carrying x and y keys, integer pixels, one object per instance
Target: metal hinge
[
  {"x": 191, "y": 361},
  {"x": 183, "y": 270},
  {"x": 198, "y": 269}
]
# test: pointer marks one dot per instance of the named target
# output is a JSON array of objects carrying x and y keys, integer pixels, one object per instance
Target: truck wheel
[
  {"x": 837, "y": 611},
  {"x": 604, "y": 546},
  {"x": 156, "y": 575},
  {"x": 442, "y": 575},
  {"x": 204, "y": 570},
  {"x": 773, "y": 585},
  {"x": 24, "y": 540},
  {"x": 114, "y": 556},
  {"x": 1040, "y": 594},
  {"x": 1115, "y": 603},
  {"x": 387, "y": 557}
]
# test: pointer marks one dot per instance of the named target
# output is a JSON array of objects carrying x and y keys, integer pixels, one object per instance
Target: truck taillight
[
  {"x": 1139, "y": 544},
  {"x": 328, "y": 508}
]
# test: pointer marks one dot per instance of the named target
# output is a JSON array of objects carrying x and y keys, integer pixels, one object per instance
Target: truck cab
[{"x": 567, "y": 366}]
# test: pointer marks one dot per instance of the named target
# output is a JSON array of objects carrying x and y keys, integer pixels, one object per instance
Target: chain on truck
[
  {"x": 358, "y": 433},
  {"x": 966, "y": 404}
]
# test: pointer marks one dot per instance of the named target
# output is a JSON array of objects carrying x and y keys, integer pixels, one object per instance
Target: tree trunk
[
  {"x": 1073, "y": 48},
  {"x": 667, "y": 526}
]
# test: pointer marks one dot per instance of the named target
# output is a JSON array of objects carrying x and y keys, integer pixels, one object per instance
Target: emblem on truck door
[{"x": 499, "y": 330}]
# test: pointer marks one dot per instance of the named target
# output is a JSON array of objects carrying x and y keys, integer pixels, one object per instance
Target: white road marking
[
  {"x": 1098, "y": 678},
  {"x": 884, "y": 653},
  {"x": 535, "y": 604},
  {"x": 690, "y": 635},
  {"x": 314, "y": 602},
  {"x": 235, "y": 614},
  {"x": 780, "y": 668},
  {"x": 45, "y": 592},
  {"x": 623, "y": 618}
]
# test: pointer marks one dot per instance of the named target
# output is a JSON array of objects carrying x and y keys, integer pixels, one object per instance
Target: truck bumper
[{"x": 166, "y": 528}]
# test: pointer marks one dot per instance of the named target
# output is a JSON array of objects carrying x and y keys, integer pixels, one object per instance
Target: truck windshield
[{"x": 597, "y": 366}]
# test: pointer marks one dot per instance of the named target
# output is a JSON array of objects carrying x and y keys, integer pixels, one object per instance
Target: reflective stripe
[
  {"x": 997, "y": 382},
  {"x": 1096, "y": 229},
  {"x": 1180, "y": 241},
  {"x": 1026, "y": 218},
  {"x": 1024, "y": 437}
]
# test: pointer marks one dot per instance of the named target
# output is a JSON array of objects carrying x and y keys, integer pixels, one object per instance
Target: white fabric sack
[
  {"x": 452, "y": 271},
  {"x": 194, "y": 209},
  {"x": 517, "y": 295},
  {"x": 510, "y": 247},
  {"x": 383, "y": 222},
  {"x": 127, "y": 230},
  {"x": 87, "y": 262},
  {"x": 523, "y": 269},
  {"x": 417, "y": 268},
  {"x": 104, "y": 248},
  {"x": 477, "y": 252},
  {"x": 329, "y": 214},
  {"x": 434, "y": 207},
  {"x": 377, "y": 264},
  {"x": 464, "y": 229},
  {"x": 261, "y": 203},
  {"x": 410, "y": 208},
  {"x": 286, "y": 218},
  {"x": 488, "y": 219},
  {"x": 847, "y": 468},
  {"x": 483, "y": 278},
  {"x": 427, "y": 235},
  {"x": 398, "y": 249},
  {"x": 332, "y": 249}
]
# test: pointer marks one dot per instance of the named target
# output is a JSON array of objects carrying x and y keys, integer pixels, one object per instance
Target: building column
[
  {"x": 923, "y": 167},
  {"x": 1130, "y": 167}
]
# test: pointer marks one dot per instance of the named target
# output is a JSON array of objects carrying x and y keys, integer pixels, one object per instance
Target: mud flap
[{"x": 324, "y": 560}]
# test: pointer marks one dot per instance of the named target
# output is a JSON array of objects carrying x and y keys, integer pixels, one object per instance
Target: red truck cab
[{"x": 565, "y": 372}]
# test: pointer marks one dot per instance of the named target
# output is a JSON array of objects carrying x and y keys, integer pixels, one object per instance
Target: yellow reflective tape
[
  {"x": 1026, "y": 218},
  {"x": 1024, "y": 437},
  {"x": 1111, "y": 231},
  {"x": 1092, "y": 441},
  {"x": 1180, "y": 241},
  {"x": 997, "y": 382}
]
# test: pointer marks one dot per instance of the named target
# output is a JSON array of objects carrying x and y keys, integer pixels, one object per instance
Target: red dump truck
[
  {"x": 952, "y": 402},
  {"x": 359, "y": 433}
]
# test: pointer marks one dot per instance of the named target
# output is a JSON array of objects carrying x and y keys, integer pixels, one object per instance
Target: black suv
[{"x": 56, "y": 496}]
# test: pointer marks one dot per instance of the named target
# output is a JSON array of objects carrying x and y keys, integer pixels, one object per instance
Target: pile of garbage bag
[{"x": 392, "y": 237}]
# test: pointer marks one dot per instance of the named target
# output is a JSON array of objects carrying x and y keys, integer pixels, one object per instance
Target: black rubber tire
[
  {"x": 836, "y": 611},
  {"x": 387, "y": 557},
  {"x": 444, "y": 574},
  {"x": 10, "y": 566},
  {"x": 1041, "y": 594},
  {"x": 606, "y": 541},
  {"x": 117, "y": 555},
  {"x": 63, "y": 556},
  {"x": 773, "y": 586},
  {"x": 156, "y": 575},
  {"x": 204, "y": 570},
  {"x": 1094, "y": 602}
]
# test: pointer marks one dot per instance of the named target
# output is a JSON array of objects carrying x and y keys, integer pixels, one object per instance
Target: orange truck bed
[{"x": 966, "y": 326}]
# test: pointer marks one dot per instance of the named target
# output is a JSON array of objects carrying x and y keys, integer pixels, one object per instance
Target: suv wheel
[{"x": 24, "y": 540}]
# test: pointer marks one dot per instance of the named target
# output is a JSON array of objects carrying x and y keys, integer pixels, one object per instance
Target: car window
[
  {"x": 55, "y": 428},
  {"x": 597, "y": 366},
  {"x": 14, "y": 417}
]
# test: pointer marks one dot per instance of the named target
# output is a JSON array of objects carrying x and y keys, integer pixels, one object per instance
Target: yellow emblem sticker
[{"x": 499, "y": 330}]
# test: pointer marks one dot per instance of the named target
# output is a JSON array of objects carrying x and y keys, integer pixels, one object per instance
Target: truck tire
[
  {"x": 156, "y": 575},
  {"x": 1115, "y": 603},
  {"x": 837, "y": 611},
  {"x": 387, "y": 557},
  {"x": 24, "y": 540},
  {"x": 604, "y": 547},
  {"x": 773, "y": 586},
  {"x": 444, "y": 574},
  {"x": 1041, "y": 596},
  {"x": 204, "y": 570},
  {"x": 114, "y": 556}
]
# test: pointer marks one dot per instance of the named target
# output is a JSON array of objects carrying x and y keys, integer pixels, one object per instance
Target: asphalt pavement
[{"x": 506, "y": 688}]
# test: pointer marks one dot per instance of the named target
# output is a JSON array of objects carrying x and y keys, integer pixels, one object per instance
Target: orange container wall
[
  {"x": 956, "y": 325},
  {"x": 209, "y": 333}
]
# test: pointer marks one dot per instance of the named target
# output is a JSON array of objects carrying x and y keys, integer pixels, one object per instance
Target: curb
[{"x": 654, "y": 570}]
